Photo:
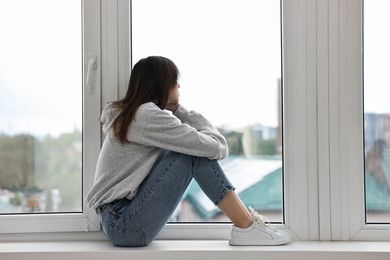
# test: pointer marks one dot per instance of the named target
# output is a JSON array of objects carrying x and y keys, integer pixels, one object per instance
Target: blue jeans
[{"x": 137, "y": 222}]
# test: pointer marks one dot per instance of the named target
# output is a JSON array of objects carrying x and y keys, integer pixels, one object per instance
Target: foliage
[
  {"x": 234, "y": 140},
  {"x": 17, "y": 161},
  {"x": 29, "y": 165},
  {"x": 267, "y": 147}
]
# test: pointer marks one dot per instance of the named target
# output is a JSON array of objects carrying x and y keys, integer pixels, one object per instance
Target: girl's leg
[
  {"x": 235, "y": 210},
  {"x": 137, "y": 222},
  {"x": 218, "y": 188}
]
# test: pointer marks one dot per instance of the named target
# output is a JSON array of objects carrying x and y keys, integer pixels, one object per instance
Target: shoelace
[
  {"x": 262, "y": 221},
  {"x": 258, "y": 219}
]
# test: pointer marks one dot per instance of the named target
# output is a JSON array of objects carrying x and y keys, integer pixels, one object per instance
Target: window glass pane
[
  {"x": 377, "y": 110},
  {"x": 40, "y": 106},
  {"x": 229, "y": 56}
]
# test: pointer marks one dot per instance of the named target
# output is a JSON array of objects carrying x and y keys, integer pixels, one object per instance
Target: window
[
  {"x": 42, "y": 129},
  {"x": 230, "y": 64},
  {"x": 353, "y": 216},
  {"x": 41, "y": 107},
  {"x": 377, "y": 111},
  {"x": 324, "y": 146}
]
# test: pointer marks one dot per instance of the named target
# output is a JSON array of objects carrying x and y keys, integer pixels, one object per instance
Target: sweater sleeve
[{"x": 184, "y": 131}]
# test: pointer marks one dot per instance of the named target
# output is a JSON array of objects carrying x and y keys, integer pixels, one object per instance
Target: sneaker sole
[{"x": 251, "y": 242}]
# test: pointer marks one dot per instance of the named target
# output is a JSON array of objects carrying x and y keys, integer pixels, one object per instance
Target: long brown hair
[{"x": 150, "y": 81}]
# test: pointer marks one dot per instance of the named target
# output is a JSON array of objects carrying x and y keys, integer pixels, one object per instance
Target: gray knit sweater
[{"x": 122, "y": 167}]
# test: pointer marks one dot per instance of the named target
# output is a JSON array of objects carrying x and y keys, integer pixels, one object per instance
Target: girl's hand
[{"x": 173, "y": 99}]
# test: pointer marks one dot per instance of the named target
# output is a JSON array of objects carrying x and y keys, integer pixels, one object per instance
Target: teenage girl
[{"x": 153, "y": 148}]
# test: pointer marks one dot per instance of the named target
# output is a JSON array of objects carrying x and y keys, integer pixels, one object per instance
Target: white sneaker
[{"x": 258, "y": 234}]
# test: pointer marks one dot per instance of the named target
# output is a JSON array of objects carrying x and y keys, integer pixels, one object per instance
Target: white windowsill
[{"x": 194, "y": 249}]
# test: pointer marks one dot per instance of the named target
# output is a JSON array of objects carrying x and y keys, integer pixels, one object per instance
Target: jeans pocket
[{"x": 126, "y": 236}]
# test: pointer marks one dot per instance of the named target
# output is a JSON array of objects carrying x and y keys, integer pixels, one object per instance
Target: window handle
[{"x": 91, "y": 68}]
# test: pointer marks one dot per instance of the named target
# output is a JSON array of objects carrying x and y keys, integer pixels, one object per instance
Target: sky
[
  {"x": 228, "y": 55},
  {"x": 40, "y": 67},
  {"x": 376, "y": 56}
]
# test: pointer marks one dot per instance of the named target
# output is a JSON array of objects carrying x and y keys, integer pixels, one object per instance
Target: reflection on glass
[
  {"x": 40, "y": 106},
  {"x": 229, "y": 56},
  {"x": 377, "y": 111}
]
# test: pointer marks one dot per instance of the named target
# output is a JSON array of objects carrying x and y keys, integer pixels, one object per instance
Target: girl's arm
[{"x": 185, "y": 132}]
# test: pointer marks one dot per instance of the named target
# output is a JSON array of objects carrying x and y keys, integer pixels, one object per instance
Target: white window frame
[
  {"x": 325, "y": 42},
  {"x": 323, "y": 122}
]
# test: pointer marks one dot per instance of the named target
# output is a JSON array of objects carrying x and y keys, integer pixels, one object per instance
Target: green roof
[
  {"x": 266, "y": 194},
  {"x": 377, "y": 194}
]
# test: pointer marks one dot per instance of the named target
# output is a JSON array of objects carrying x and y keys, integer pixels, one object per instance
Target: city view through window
[
  {"x": 40, "y": 106},
  {"x": 229, "y": 56}
]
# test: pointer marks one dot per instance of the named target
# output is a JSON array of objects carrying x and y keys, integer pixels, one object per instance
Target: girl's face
[{"x": 174, "y": 94}]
